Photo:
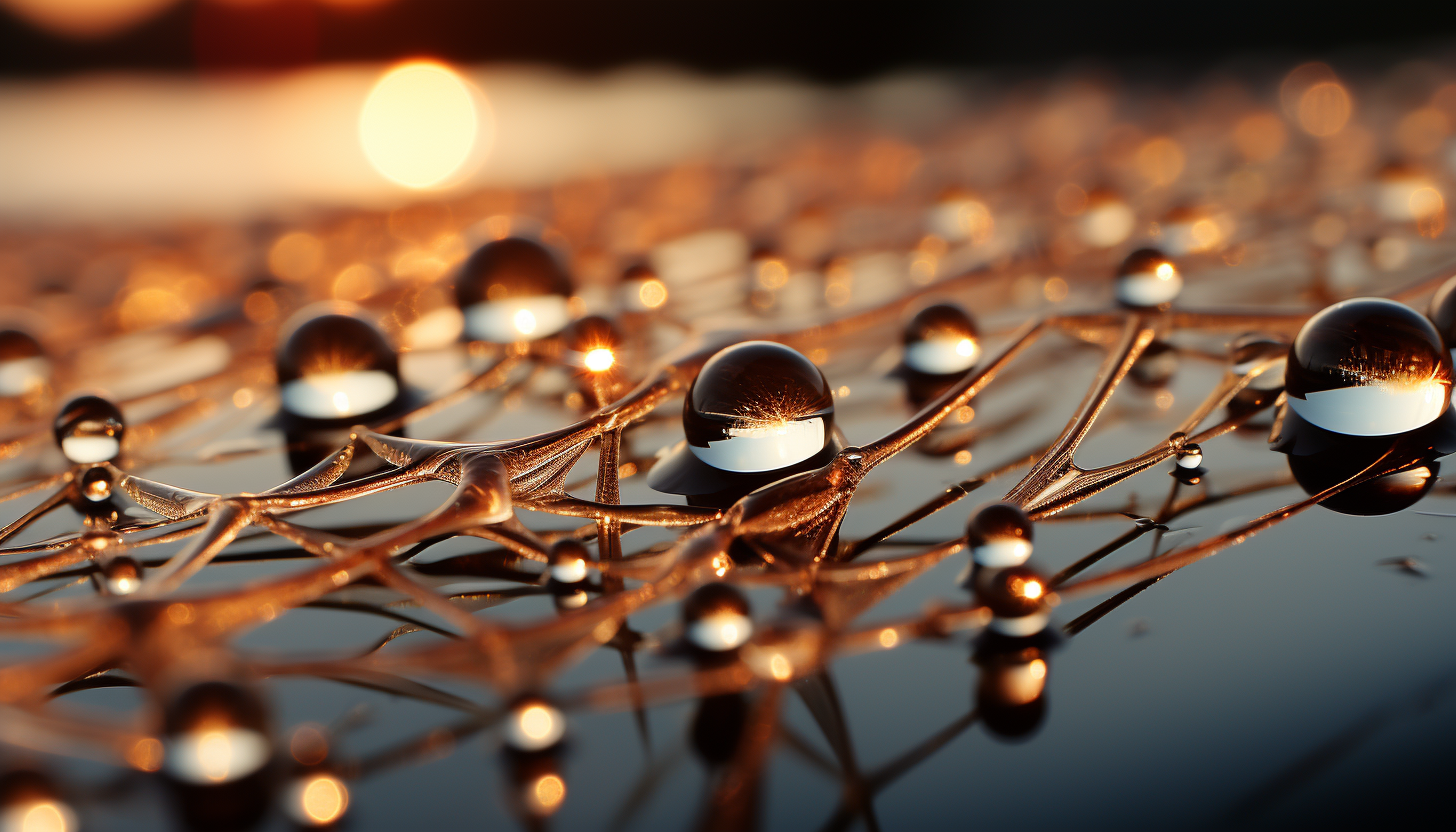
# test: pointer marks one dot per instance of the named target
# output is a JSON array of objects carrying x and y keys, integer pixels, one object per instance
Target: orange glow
[
  {"x": 547, "y": 794},
  {"x": 1160, "y": 160},
  {"x": 1038, "y": 669},
  {"x": 1324, "y": 109},
  {"x": 599, "y": 359},
  {"x": 536, "y": 722},
  {"x": 419, "y": 124},
  {"x": 652, "y": 293},
  {"x": 963, "y": 458},
  {"x": 145, "y": 754},
  {"x": 780, "y": 668},
  {"x": 85, "y": 19},
  {"x": 296, "y": 256},
  {"x": 889, "y": 638},
  {"x": 44, "y": 816},
  {"x": 323, "y": 799},
  {"x": 1032, "y": 589},
  {"x": 1165, "y": 271},
  {"x": 1260, "y": 136}
]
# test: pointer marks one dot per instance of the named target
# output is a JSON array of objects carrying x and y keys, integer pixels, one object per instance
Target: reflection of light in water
[
  {"x": 547, "y": 793},
  {"x": 535, "y": 727},
  {"x": 525, "y": 322},
  {"x": 318, "y": 800},
  {"x": 1031, "y": 589},
  {"x": 42, "y": 816},
  {"x": 418, "y": 124},
  {"x": 599, "y": 359},
  {"x": 652, "y": 294},
  {"x": 216, "y": 755}
]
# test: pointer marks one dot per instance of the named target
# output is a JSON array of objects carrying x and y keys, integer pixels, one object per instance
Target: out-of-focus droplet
[
  {"x": 716, "y": 618},
  {"x": 512, "y": 290},
  {"x": 1019, "y": 600},
  {"x": 999, "y": 535},
  {"x": 215, "y": 733},
  {"x": 941, "y": 339},
  {"x": 24, "y": 366},
  {"x": 1147, "y": 278},
  {"x": 121, "y": 575},
  {"x": 1107, "y": 220},
  {"x": 30, "y": 802},
  {"x": 334, "y": 364}
]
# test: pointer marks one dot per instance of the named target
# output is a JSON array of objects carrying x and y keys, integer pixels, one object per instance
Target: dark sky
[{"x": 837, "y": 41}]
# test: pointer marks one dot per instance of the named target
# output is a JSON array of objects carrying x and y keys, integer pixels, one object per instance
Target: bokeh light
[{"x": 419, "y": 124}]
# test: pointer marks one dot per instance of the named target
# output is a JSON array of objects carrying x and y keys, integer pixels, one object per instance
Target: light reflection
[
  {"x": 599, "y": 360},
  {"x": 319, "y": 800},
  {"x": 419, "y": 124}
]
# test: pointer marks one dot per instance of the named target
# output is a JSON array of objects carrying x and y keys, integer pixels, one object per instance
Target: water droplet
[
  {"x": 24, "y": 366},
  {"x": 334, "y": 364},
  {"x": 716, "y": 618},
  {"x": 89, "y": 429},
  {"x": 216, "y": 733},
  {"x": 999, "y": 535},
  {"x": 1368, "y": 367},
  {"x": 1011, "y": 691},
  {"x": 1147, "y": 278},
  {"x": 941, "y": 340},
  {"x": 1017, "y": 599},
  {"x": 592, "y": 344},
  {"x": 121, "y": 575},
  {"x": 568, "y": 561},
  {"x": 512, "y": 290},
  {"x": 1190, "y": 456},
  {"x": 96, "y": 483}
]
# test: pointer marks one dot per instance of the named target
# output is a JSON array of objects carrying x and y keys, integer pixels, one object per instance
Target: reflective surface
[{"x": 477, "y": 612}]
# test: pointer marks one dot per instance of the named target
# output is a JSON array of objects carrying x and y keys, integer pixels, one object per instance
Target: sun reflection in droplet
[{"x": 419, "y": 124}]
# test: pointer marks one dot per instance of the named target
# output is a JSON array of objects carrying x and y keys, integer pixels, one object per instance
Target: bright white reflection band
[
  {"x": 569, "y": 572},
  {"x": 21, "y": 375},
  {"x": 940, "y": 356},
  {"x": 720, "y": 631},
  {"x": 1373, "y": 410},
  {"x": 337, "y": 395},
  {"x": 517, "y": 319},
  {"x": 216, "y": 755},
  {"x": 88, "y": 449},
  {"x": 1025, "y": 625},
  {"x": 1002, "y": 553},
  {"x": 753, "y": 449},
  {"x": 1148, "y": 289}
]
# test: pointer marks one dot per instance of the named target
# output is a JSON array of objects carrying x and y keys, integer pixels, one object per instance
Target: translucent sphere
[
  {"x": 216, "y": 733},
  {"x": 89, "y": 429},
  {"x": 592, "y": 344},
  {"x": 999, "y": 535},
  {"x": 534, "y": 725},
  {"x": 1018, "y": 600},
  {"x": 568, "y": 560},
  {"x": 512, "y": 290},
  {"x": 121, "y": 575},
  {"x": 96, "y": 484},
  {"x": 941, "y": 339},
  {"x": 758, "y": 406},
  {"x": 716, "y": 618},
  {"x": 1368, "y": 367},
  {"x": 1190, "y": 457},
  {"x": 1147, "y": 278},
  {"x": 336, "y": 365},
  {"x": 1107, "y": 220},
  {"x": 23, "y": 363},
  {"x": 1442, "y": 312}
]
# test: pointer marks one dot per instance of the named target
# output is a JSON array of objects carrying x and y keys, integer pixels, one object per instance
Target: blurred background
[{"x": 133, "y": 111}]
